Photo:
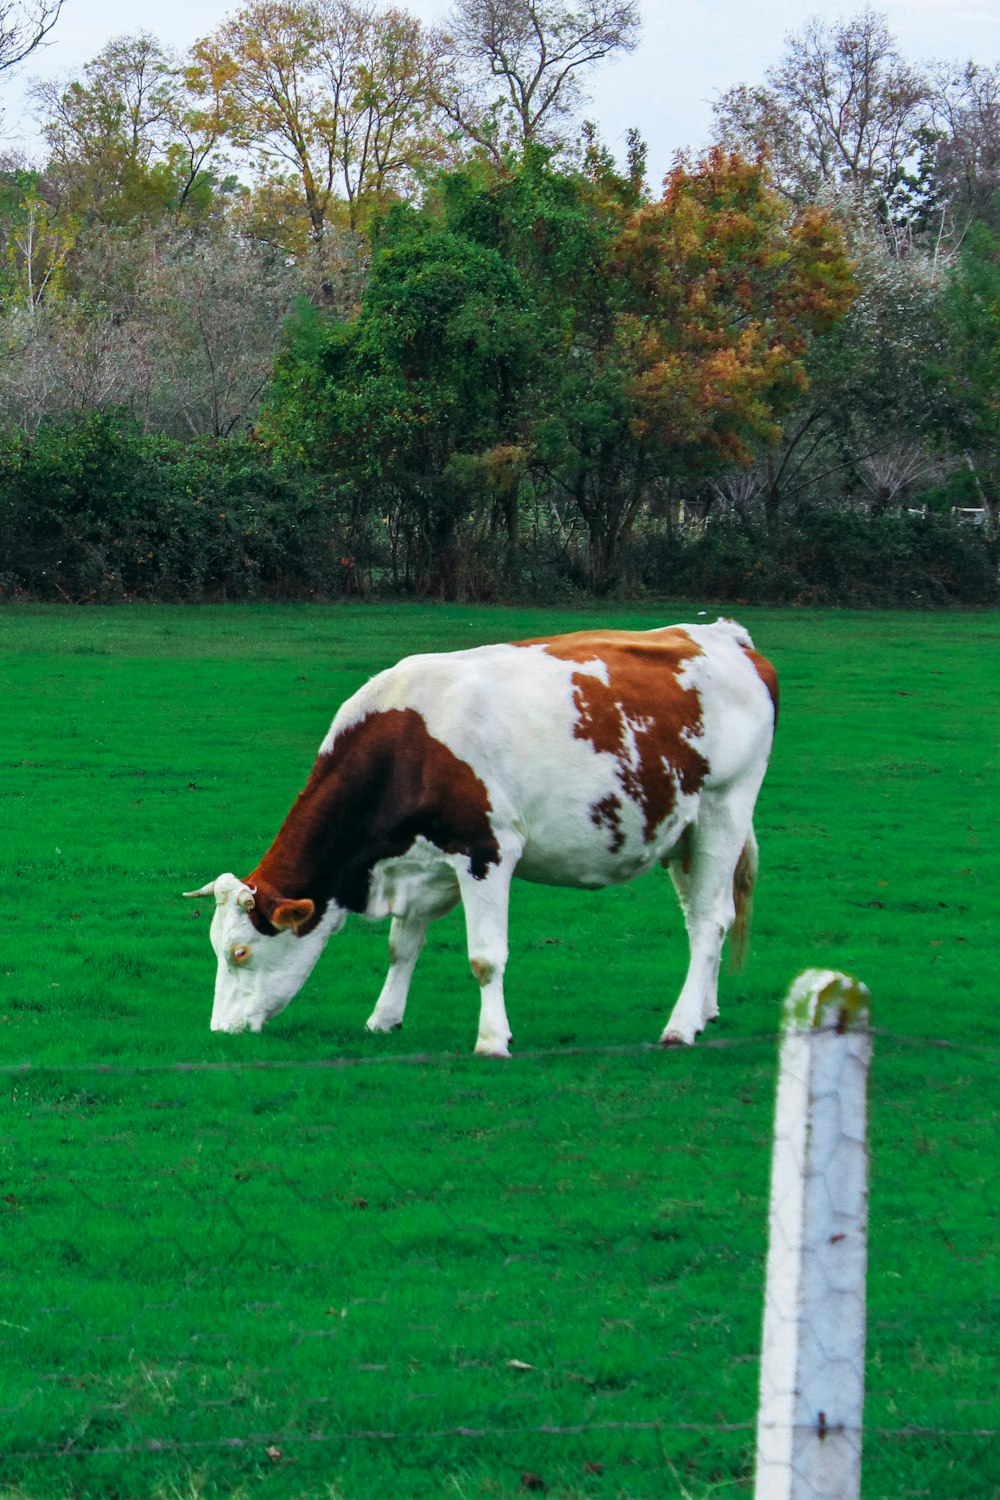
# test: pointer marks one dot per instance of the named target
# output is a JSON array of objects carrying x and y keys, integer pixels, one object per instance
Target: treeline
[{"x": 338, "y": 304}]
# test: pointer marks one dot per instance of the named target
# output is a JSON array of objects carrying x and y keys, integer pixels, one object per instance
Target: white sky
[{"x": 690, "y": 51}]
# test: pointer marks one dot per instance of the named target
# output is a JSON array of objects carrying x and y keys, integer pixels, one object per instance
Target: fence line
[
  {"x": 422, "y": 1059},
  {"x": 545, "y": 1429}
]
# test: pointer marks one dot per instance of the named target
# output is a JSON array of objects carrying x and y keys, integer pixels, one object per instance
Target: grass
[{"x": 319, "y": 1265}]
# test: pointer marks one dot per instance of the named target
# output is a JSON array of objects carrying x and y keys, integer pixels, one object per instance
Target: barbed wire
[
  {"x": 440, "y": 1434},
  {"x": 424, "y": 1059}
]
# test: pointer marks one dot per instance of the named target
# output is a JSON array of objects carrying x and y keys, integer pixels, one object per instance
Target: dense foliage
[
  {"x": 535, "y": 335},
  {"x": 430, "y": 337},
  {"x": 95, "y": 509}
]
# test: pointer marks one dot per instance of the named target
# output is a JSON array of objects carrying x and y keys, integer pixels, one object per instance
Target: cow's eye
[{"x": 239, "y": 954}]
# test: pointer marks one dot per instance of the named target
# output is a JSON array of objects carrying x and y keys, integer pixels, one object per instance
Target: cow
[{"x": 575, "y": 760}]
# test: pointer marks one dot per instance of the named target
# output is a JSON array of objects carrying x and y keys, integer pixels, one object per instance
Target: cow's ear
[{"x": 291, "y": 915}]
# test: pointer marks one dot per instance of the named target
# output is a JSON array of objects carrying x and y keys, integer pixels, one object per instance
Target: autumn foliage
[
  {"x": 392, "y": 266},
  {"x": 725, "y": 293},
  {"x": 610, "y": 344}
]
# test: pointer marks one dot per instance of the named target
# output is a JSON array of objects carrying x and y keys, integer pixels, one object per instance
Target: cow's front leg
[
  {"x": 487, "y": 904},
  {"x": 406, "y": 939}
]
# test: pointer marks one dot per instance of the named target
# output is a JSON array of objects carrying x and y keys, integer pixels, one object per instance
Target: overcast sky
[{"x": 688, "y": 53}]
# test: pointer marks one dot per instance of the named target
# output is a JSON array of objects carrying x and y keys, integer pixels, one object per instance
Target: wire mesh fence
[{"x": 422, "y": 1275}]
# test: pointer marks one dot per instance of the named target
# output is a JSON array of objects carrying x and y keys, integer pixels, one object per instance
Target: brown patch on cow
[
  {"x": 608, "y": 814},
  {"x": 384, "y": 783},
  {"x": 767, "y": 675},
  {"x": 643, "y": 701},
  {"x": 482, "y": 971}
]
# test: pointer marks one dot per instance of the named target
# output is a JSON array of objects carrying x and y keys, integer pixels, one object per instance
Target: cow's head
[{"x": 266, "y": 948}]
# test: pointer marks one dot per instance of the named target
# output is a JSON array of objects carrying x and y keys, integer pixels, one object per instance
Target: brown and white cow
[{"x": 580, "y": 760}]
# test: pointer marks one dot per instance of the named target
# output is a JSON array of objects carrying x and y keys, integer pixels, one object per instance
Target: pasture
[{"x": 316, "y": 1264}]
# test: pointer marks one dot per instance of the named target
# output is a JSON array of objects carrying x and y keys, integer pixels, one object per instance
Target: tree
[
  {"x": 966, "y": 147},
  {"x": 333, "y": 92},
  {"x": 535, "y": 333},
  {"x": 863, "y": 418},
  {"x": 37, "y": 244},
  {"x": 391, "y": 131},
  {"x": 23, "y": 25},
  {"x": 511, "y": 76},
  {"x": 968, "y": 370},
  {"x": 716, "y": 295},
  {"x": 214, "y": 308},
  {"x": 122, "y": 140},
  {"x": 61, "y": 358},
  {"x": 180, "y": 325},
  {"x": 841, "y": 111},
  {"x": 409, "y": 404}
]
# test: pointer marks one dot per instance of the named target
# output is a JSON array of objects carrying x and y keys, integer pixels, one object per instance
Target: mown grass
[{"x": 316, "y": 1263}]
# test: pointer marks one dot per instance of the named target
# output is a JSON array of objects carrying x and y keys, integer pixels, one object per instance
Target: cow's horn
[{"x": 206, "y": 890}]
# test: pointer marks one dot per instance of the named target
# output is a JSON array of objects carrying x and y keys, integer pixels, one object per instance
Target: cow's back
[{"x": 595, "y": 747}]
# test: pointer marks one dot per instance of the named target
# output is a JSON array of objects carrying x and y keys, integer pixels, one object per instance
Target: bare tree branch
[
  {"x": 23, "y": 25},
  {"x": 511, "y": 73}
]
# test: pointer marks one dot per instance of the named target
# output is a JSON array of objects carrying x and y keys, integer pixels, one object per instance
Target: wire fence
[
  {"x": 426, "y": 1274},
  {"x": 423, "y": 1059}
]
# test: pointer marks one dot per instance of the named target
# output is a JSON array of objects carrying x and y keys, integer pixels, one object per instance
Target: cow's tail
[{"x": 744, "y": 879}]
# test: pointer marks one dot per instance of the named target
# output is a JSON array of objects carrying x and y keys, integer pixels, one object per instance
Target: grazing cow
[{"x": 579, "y": 760}]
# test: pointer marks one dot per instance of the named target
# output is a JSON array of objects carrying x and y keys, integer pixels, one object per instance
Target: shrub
[
  {"x": 95, "y": 509},
  {"x": 828, "y": 557}
]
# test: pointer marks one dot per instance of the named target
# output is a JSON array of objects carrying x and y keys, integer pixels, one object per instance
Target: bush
[
  {"x": 829, "y": 557},
  {"x": 96, "y": 510}
]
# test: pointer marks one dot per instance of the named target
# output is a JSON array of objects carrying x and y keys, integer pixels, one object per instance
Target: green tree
[
  {"x": 409, "y": 404},
  {"x": 968, "y": 375},
  {"x": 123, "y": 142},
  {"x": 328, "y": 94},
  {"x": 538, "y": 332}
]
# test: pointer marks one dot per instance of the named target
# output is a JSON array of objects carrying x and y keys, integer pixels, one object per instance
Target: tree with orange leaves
[
  {"x": 696, "y": 346},
  {"x": 544, "y": 315},
  {"x": 725, "y": 292}
]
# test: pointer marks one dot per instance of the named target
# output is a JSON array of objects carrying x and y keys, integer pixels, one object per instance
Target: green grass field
[{"x": 322, "y": 1265}]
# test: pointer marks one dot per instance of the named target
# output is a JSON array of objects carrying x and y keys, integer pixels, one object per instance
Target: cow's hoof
[
  {"x": 492, "y": 1049},
  {"x": 378, "y": 1027},
  {"x": 675, "y": 1039}
]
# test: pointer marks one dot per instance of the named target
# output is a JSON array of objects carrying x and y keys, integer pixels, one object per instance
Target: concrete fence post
[{"x": 813, "y": 1350}]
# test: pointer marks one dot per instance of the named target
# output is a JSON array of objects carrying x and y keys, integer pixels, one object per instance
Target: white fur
[{"x": 249, "y": 994}]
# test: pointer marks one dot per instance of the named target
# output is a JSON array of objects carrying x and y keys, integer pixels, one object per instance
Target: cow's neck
[
  {"x": 384, "y": 782},
  {"x": 320, "y": 850}
]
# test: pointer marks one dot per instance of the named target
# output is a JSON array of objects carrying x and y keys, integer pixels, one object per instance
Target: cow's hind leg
[
  {"x": 703, "y": 868},
  {"x": 487, "y": 905},
  {"x": 406, "y": 939}
]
